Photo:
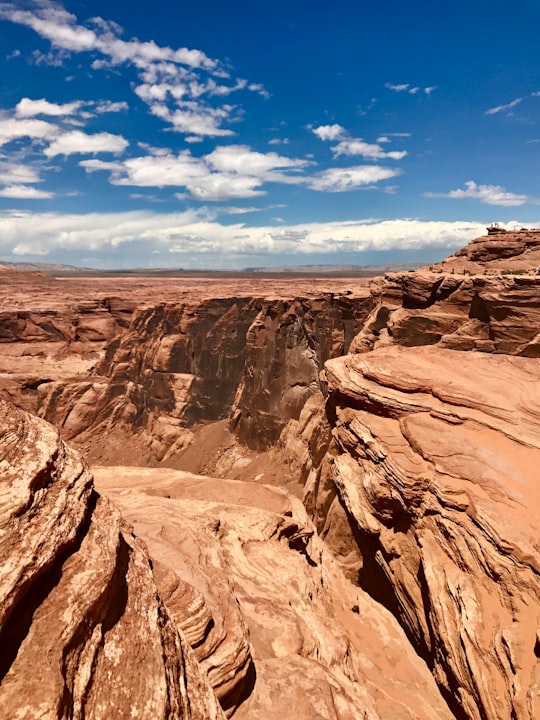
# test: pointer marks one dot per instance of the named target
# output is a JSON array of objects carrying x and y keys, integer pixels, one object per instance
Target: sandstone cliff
[
  {"x": 434, "y": 463},
  {"x": 79, "y": 611},
  {"x": 499, "y": 314},
  {"x": 257, "y": 359}
]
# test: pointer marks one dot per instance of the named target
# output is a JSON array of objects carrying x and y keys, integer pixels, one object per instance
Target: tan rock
[
  {"x": 79, "y": 612},
  {"x": 437, "y": 472},
  {"x": 316, "y": 645}
]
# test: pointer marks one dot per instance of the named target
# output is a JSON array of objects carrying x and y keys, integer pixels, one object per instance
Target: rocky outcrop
[
  {"x": 515, "y": 251},
  {"x": 274, "y": 622},
  {"x": 434, "y": 462},
  {"x": 496, "y": 314},
  {"x": 79, "y": 611},
  {"x": 183, "y": 363}
]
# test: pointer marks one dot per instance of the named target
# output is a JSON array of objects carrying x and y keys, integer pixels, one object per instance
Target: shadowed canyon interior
[{"x": 252, "y": 498}]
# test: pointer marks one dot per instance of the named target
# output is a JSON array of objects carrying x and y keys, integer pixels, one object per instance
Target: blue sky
[{"x": 234, "y": 134}]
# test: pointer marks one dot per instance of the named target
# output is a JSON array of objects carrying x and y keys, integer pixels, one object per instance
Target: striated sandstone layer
[
  {"x": 79, "y": 611},
  {"x": 269, "y": 613},
  {"x": 494, "y": 314},
  {"x": 182, "y": 363},
  {"x": 435, "y": 461}
]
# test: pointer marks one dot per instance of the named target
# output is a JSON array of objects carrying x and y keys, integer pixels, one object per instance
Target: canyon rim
[{"x": 315, "y": 498}]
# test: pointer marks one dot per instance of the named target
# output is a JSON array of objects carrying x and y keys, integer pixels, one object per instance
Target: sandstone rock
[
  {"x": 79, "y": 613},
  {"x": 437, "y": 472},
  {"x": 288, "y": 633},
  {"x": 499, "y": 314},
  {"x": 199, "y": 361},
  {"x": 512, "y": 251}
]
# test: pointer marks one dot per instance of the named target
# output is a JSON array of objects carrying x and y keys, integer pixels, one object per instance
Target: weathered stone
[
  {"x": 83, "y": 631},
  {"x": 437, "y": 472}
]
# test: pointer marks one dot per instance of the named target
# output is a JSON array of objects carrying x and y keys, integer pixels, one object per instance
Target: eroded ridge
[
  {"x": 438, "y": 476},
  {"x": 80, "y": 614}
]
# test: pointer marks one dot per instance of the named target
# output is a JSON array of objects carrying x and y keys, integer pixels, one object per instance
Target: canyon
[{"x": 314, "y": 497}]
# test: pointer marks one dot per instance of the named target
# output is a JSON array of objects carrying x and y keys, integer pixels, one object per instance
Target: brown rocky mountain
[{"x": 364, "y": 518}]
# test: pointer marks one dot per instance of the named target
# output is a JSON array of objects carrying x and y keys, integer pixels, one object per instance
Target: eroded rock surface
[
  {"x": 495, "y": 314},
  {"x": 257, "y": 359},
  {"x": 277, "y": 626},
  {"x": 435, "y": 461},
  {"x": 83, "y": 631}
]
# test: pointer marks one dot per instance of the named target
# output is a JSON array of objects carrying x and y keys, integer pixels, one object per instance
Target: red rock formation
[
  {"x": 511, "y": 251},
  {"x": 179, "y": 364},
  {"x": 498, "y": 314},
  {"x": 313, "y": 644},
  {"x": 435, "y": 464},
  {"x": 79, "y": 612}
]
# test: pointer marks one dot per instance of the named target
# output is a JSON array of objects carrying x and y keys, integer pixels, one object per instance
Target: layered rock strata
[
  {"x": 434, "y": 460},
  {"x": 496, "y": 314},
  {"x": 79, "y": 612},
  {"x": 274, "y": 622},
  {"x": 515, "y": 251},
  {"x": 179, "y": 364}
]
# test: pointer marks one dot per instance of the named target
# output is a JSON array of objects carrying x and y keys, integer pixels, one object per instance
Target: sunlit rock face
[
  {"x": 268, "y": 611},
  {"x": 84, "y": 633},
  {"x": 434, "y": 460},
  {"x": 495, "y": 314}
]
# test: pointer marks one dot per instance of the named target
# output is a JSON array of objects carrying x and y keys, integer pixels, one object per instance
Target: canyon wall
[
  {"x": 255, "y": 359},
  {"x": 488, "y": 313}
]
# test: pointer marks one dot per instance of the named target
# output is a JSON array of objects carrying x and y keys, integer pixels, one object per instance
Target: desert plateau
[{"x": 264, "y": 497}]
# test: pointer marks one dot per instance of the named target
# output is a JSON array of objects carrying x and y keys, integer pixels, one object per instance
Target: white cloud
[
  {"x": 503, "y": 108},
  {"x": 233, "y": 171},
  {"x": 279, "y": 141},
  {"x": 23, "y": 192},
  {"x": 488, "y": 194},
  {"x": 77, "y": 142},
  {"x": 241, "y": 159},
  {"x": 397, "y": 88},
  {"x": 107, "y": 106},
  {"x": 29, "y": 108},
  {"x": 329, "y": 132},
  {"x": 191, "y": 233},
  {"x": 232, "y": 210},
  {"x": 171, "y": 83},
  {"x": 14, "y": 128},
  {"x": 412, "y": 90},
  {"x": 355, "y": 146},
  {"x": 13, "y": 172},
  {"x": 343, "y": 179}
]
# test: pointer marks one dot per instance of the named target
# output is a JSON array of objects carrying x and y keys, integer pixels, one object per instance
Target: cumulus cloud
[
  {"x": 194, "y": 235},
  {"x": 23, "y": 192},
  {"x": 367, "y": 150},
  {"x": 329, "y": 132},
  {"x": 13, "y": 172},
  {"x": 343, "y": 179},
  {"x": 349, "y": 146},
  {"x": 174, "y": 83},
  {"x": 233, "y": 171},
  {"x": 488, "y": 194},
  {"x": 29, "y": 108},
  {"x": 108, "y": 106},
  {"x": 77, "y": 142},
  {"x": 14, "y": 128},
  {"x": 241, "y": 159}
]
